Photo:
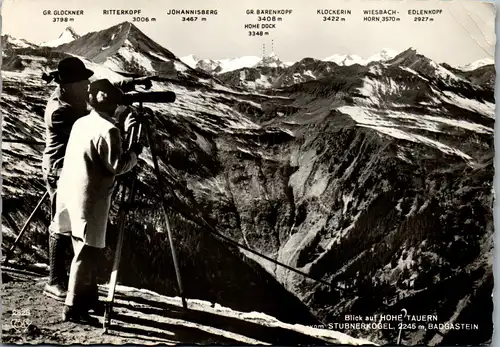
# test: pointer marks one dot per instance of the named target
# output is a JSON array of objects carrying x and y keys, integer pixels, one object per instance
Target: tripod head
[
  {"x": 130, "y": 99},
  {"x": 142, "y": 113}
]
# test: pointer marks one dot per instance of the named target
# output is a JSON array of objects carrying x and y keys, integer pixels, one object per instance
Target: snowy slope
[{"x": 190, "y": 60}]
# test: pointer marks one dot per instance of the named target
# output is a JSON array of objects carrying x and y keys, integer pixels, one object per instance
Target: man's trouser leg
[
  {"x": 80, "y": 275},
  {"x": 58, "y": 247}
]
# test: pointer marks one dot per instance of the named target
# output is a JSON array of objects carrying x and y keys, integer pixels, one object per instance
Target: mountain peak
[
  {"x": 408, "y": 57},
  {"x": 123, "y": 47},
  {"x": 69, "y": 31},
  {"x": 345, "y": 59},
  {"x": 68, "y": 35},
  {"x": 128, "y": 28}
]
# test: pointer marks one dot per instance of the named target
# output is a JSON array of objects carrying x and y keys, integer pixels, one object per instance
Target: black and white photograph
[{"x": 247, "y": 173}]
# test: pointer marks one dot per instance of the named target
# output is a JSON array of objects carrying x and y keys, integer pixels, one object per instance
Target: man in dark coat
[{"x": 68, "y": 103}]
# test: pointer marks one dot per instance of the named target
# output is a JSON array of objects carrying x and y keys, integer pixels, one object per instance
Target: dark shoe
[
  {"x": 97, "y": 307},
  {"x": 55, "y": 291},
  {"x": 90, "y": 299},
  {"x": 76, "y": 315}
]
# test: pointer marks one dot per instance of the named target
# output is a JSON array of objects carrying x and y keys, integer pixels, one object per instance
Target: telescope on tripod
[{"x": 126, "y": 203}]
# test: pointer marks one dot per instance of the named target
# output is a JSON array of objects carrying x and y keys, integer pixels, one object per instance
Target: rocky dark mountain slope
[
  {"x": 264, "y": 77},
  {"x": 377, "y": 179}
]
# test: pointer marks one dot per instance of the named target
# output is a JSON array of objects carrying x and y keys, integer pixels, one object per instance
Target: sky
[{"x": 462, "y": 33}]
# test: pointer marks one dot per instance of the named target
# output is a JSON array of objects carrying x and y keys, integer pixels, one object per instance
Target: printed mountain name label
[
  {"x": 330, "y": 11},
  {"x": 265, "y": 16},
  {"x": 260, "y": 26},
  {"x": 63, "y": 12},
  {"x": 268, "y": 12},
  {"x": 197, "y": 12},
  {"x": 121, "y": 12},
  {"x": 422, "y": 12},
  {"x": 380, "y": 12}
]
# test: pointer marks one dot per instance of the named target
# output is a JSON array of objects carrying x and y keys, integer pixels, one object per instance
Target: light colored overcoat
[{"x": 94, "y": 157}]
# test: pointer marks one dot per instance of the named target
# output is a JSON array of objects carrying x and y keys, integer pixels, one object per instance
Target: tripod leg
[
  {"x": 163, "y": 204},
  {"x": 108, "y": 310},
  {"x": 42, "y": 199},
  {"x": 116, "y": 264}
]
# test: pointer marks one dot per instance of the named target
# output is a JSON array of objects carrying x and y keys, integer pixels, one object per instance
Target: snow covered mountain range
[
  {"x": 221, "y": 66},
  {"x": 257, "y": 73},
  {"x": 375, "y": 178}
]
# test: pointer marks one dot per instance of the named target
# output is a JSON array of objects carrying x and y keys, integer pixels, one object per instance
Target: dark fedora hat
[{"x": 72, "y": 70}]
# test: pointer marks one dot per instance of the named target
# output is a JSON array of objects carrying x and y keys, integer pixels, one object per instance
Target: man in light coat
[{"x": 94, "y": 157}]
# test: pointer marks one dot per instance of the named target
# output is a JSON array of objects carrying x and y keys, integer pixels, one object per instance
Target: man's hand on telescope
[{"x": 130, "y": 122}]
